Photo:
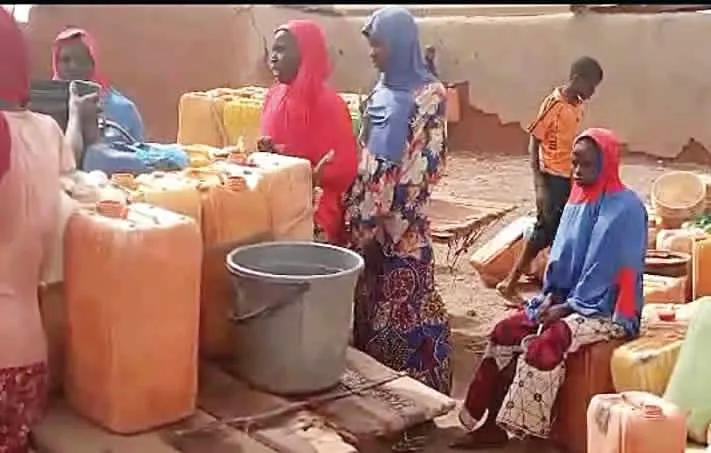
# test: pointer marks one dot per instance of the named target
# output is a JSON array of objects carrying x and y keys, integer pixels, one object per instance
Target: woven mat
[
  {"x": 455, "y": 216},
  {"x": 337, "y": 426},
  {"x": 359, "y": 418},
  {"x": 64, "y": 431},
  {"x": 384, "y": 410},
  {"x": 460, "y": 222}
]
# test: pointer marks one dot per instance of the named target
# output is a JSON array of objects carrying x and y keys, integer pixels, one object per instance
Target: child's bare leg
[
  {"x": 551, "y": 195},
  {"x": 507, "y": 288}
]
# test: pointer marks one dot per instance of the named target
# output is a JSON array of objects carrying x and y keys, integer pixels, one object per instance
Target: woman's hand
[
  {"x": 317, "y": 173},
  {"x": 316, "y": 177},
  {"x": 85, "y": 107},
  {"x": 267, "y": 145},
  {"x": 82, "y": 128},
  {"x": 317, "y": 195},
  {"x": 548, "y": 301},
  {"x": 555, "y": 313}
]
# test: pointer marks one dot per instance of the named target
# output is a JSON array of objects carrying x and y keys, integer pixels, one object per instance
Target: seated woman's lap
[
  {"x": 544, "y": 352},
  {"x": 548, "y": 351},
  {"x": 511, "y": 330}
]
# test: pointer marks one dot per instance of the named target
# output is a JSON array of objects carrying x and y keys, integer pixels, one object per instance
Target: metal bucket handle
[{"x": 299, "y": 289}]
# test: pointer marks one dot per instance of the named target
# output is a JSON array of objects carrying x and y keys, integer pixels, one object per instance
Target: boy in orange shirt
[{"x": 552, "y": 135}]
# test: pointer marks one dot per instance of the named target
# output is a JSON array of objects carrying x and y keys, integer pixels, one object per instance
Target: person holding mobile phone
[
  {"x": 94, "y": 151},
  {"x": 83, "y": 122},
  {"x": 74, "y": 57}
]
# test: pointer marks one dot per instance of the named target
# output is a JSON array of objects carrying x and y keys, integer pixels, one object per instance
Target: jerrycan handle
[{"x": 649, "y": 410}]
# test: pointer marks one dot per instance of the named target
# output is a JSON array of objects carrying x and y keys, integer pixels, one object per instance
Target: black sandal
[
  {"x": 409, "y": 443},
  {"x": 414, "y": 439}
]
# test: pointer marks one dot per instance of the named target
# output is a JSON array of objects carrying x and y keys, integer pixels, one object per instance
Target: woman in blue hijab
[
  {"x": 592, "y": 292},
  {"x": 400, "y": 318}
]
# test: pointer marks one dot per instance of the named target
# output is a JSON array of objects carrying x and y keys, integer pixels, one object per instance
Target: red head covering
[
  {"x": 86, "y": 39},
  {"x": 289, "y": 108},
  {"x": 608, "y": 179},
  {"x": 309, "y": 119},
  {"x": 14, "y": 79}
]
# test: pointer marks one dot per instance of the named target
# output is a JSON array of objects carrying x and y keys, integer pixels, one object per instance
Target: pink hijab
[
  {"x": 86, "y": 39},
  {"x": 609, "y": 179},
  {"x": 14, "y": 79}
]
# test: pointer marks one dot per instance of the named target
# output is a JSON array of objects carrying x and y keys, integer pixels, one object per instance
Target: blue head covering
[{"x": 392, "y": 103}]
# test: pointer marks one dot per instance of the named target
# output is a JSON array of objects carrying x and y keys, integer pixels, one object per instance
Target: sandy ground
[{"x": 474, "y": 308}]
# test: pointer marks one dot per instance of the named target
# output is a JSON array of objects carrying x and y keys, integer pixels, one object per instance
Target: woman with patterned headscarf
[{"x": 400, "y": 318}]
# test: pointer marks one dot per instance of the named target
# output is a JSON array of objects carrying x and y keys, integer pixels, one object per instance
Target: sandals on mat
[{"x": 410, "y": 443}]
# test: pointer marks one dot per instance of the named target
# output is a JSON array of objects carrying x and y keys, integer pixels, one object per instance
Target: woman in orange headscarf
[
  {"x": 32, "y": 154},
  {"x": 304, "y": 117}
]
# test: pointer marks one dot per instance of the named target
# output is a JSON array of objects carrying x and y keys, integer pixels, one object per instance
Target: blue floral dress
[{"x": 400, "y": 318}]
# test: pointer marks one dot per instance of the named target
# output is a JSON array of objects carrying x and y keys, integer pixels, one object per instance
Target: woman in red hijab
[
  {"x": 592, "y": 292},
  {"x": 304, "y": 117},
  {"x": 32, "y": 154}
]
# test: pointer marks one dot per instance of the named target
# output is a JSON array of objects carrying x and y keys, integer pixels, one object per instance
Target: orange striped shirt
[{"x": 556, "y": 126}]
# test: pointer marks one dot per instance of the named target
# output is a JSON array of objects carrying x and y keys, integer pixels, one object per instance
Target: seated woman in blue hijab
[
  {"x": 107, "y": 131},
  {"x": 592, "y": 292},
  {"x": 92, "y": 151}
]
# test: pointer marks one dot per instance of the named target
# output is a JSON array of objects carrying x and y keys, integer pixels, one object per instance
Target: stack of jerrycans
[{"x": 646, "y": 364}]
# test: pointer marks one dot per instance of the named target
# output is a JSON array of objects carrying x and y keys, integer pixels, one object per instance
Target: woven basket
[
  {"x": 667, "y": 263},
  {"x": 678, "y": 196},
  {"x": 651, "y": 216}
]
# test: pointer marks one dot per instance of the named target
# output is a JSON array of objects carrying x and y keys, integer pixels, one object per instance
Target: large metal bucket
[{"x": 292, "y": 313}]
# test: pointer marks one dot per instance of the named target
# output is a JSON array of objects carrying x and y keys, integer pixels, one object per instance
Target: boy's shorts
[{"x": 549, "y": 207}]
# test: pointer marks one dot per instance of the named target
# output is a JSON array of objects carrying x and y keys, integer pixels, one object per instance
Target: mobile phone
[{"x": 85, "y": 87}]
